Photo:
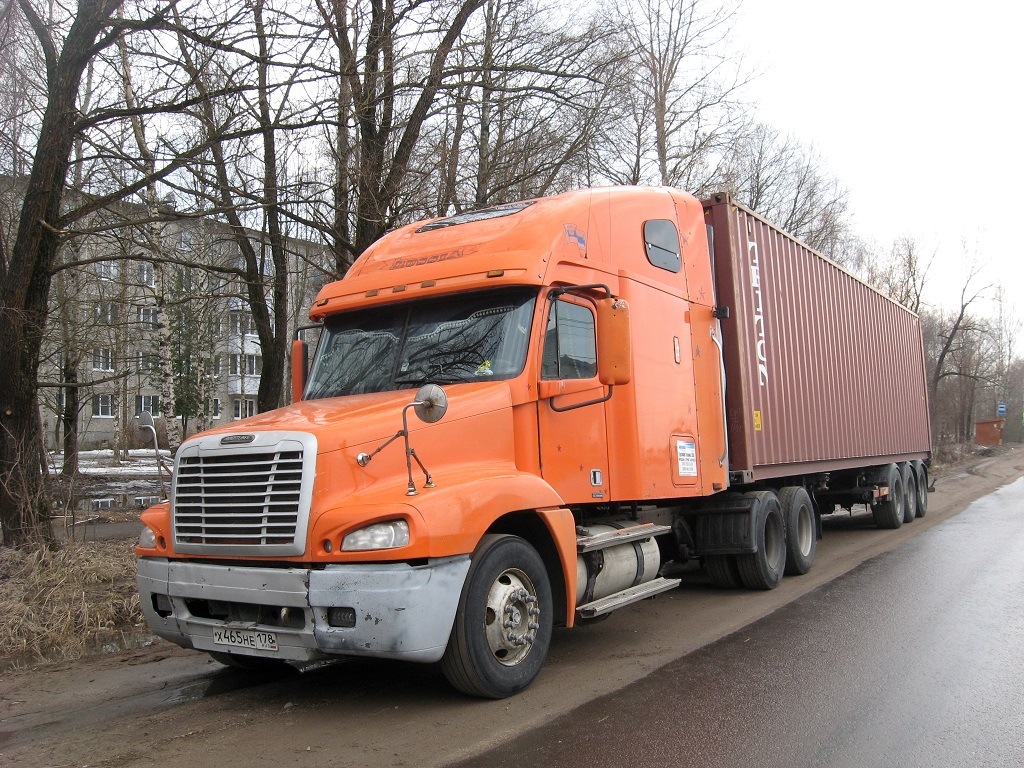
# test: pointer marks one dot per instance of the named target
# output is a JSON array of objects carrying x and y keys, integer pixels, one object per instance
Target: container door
[{"x": 573, "y": 433}]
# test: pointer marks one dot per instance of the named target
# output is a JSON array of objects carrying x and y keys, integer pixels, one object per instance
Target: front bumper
[{"x": 401, "y": 611}]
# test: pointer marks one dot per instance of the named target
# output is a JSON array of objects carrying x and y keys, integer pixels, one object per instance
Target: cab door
[{"x": 572, "y": 426}]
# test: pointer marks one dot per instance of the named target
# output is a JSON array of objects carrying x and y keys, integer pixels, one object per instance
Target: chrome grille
[{"x": 241, "y": 501}]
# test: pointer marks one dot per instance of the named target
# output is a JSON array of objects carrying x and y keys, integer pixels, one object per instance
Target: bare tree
[
  {"x": 679, "y": 90},
  {"x": 787, "y": 182}
]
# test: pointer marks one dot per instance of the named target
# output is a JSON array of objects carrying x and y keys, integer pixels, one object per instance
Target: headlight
[
  {"x": 147, "y": 538},
  {"x": 394, "y": 533}
]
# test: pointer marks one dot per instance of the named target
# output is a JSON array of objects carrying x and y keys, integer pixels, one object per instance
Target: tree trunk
[{"x": 25, "y": 281}]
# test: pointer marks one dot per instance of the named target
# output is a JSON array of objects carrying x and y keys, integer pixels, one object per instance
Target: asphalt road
[
  {"x": 914, "y": 658},
  {"x": 899, "y": 648}
]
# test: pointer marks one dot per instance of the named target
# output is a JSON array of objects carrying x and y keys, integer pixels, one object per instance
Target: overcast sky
[{"x": 917, "y": 108}]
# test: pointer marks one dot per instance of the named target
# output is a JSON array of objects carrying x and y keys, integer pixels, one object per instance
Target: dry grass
[{"x": 63, "y": 604}]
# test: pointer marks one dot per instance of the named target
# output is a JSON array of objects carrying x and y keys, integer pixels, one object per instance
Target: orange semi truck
[{"x": 525, "y": 417}]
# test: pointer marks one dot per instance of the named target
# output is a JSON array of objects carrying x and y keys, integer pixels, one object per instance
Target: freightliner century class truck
[{"x": 524, "y": 417}]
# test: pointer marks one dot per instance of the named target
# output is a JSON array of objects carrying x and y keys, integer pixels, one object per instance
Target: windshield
[{"x": 471, "y": 337}]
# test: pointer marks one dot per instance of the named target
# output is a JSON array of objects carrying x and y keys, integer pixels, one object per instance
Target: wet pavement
[{"x": 914, "y": 658}]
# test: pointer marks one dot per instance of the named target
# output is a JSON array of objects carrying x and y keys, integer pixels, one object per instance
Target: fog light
[
  {"x": 328, "y": 545},
  {"x": 341, "y": 617},
  {"x": 162, "y": 605}
]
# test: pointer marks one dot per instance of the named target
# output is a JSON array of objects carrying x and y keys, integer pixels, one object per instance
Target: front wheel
[{"x": 503, "y": 624}]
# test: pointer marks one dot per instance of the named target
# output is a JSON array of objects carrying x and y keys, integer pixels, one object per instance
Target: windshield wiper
[{"x": 431, "y": 378}]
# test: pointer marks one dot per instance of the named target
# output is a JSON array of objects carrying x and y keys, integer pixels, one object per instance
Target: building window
[
  {"x": 244, "y": 407},
  {"x": 148, "y": 316},
  {"x": 102, "y": 359},
  {"x": 104, "y": 406},
  {"x": 149, "y": 364},
  {"x": 245, "y": 365},
  {"x": 186, "y": 240},
  {"x": 216, "y": 366},
  {"x": 146, "y": 501},
  {"x": 106, "y": 312},
  {"x": 102, "y": 503},
  {"x": 148, "y": 404},
  {"x": 147, "y": 275},
  {"x": 215, "y": 408},
  {"x": 242, "y": 324},
  {"x": 106, "y": 270}
]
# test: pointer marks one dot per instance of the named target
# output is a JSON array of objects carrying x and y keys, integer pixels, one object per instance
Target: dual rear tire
[{"x": 785, "y": 535}]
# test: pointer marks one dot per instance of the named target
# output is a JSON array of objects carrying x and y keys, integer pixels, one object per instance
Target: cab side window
[
  {"x": 570, "y": 343},
  {"x": 661, "y": 241}
]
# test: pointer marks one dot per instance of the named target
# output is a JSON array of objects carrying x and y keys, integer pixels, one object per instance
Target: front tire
[{"x": 502, "y": 628}]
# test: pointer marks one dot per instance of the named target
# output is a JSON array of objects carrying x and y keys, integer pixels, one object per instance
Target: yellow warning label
[{"x": 757, "y": 421}]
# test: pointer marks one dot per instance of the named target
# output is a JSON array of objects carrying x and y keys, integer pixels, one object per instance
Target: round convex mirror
[{"x": 431, "y": 403}]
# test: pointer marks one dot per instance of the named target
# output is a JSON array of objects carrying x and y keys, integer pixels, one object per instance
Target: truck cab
[{"x": 574, "y": 342}]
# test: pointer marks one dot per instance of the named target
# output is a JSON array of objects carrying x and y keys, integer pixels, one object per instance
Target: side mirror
[
  {"x": 431, "y": 403},
  {"x": 300, "y": 368},
  {"x": 614, "y": 349}
]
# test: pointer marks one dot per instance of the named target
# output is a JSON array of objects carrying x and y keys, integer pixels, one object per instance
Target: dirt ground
[{"x": 161, "y": 705}]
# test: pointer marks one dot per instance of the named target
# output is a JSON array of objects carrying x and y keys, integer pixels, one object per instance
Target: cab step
[
  {"x": 620, "y": 536},
  {"x": 625, "y": 597}
]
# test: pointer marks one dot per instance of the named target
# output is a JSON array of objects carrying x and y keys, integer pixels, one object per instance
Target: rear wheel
[
  {"x": 764, "y": 568},
  {"x": 723, "y": 571},
  {"x": 921, "y": 475},
  {"x": 503, "y": 624},
  {"x": 801, "y": 529},
  {"x": 888, "y": 511},
  {"x": 909, "y": 492}
]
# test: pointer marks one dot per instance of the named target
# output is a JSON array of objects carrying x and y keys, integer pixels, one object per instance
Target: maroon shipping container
[{"x": 823, "y": 372}]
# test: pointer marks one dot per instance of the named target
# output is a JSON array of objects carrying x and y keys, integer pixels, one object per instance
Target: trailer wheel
[
  {"x": 888, "y": 512},
  {"x": 909, "y": 492},
  {"x": 503, "y": 624},
  {"x": 763, "y": 569},
  {"x": 724, "y": 572},
  {"x": 249, "y": 663},
  {"x": 921, "y": 475},
  {"x": 801, "y": 529}
]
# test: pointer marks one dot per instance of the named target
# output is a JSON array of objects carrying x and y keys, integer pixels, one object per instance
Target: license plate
[{"x": 246, "y": 638}]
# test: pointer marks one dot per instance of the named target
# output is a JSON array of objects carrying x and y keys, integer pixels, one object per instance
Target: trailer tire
[
  {"x": 888, "y": 512},
  {"x": 764, "y": 568},
  {"x": 724, "y": 572},
  {"x": 801, "y": 529},
  {"x": 486, "y": 656},
  {"x": 249, "y": 663},
  {"x": 909, "y": 492},
  {"x": 921, "y": 475}
]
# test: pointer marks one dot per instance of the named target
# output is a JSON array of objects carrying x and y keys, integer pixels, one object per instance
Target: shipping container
[{"x": 808, "y": 348}]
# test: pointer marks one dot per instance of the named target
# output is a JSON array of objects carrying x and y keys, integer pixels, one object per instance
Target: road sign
[{"x": 1001, "y": 409}]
